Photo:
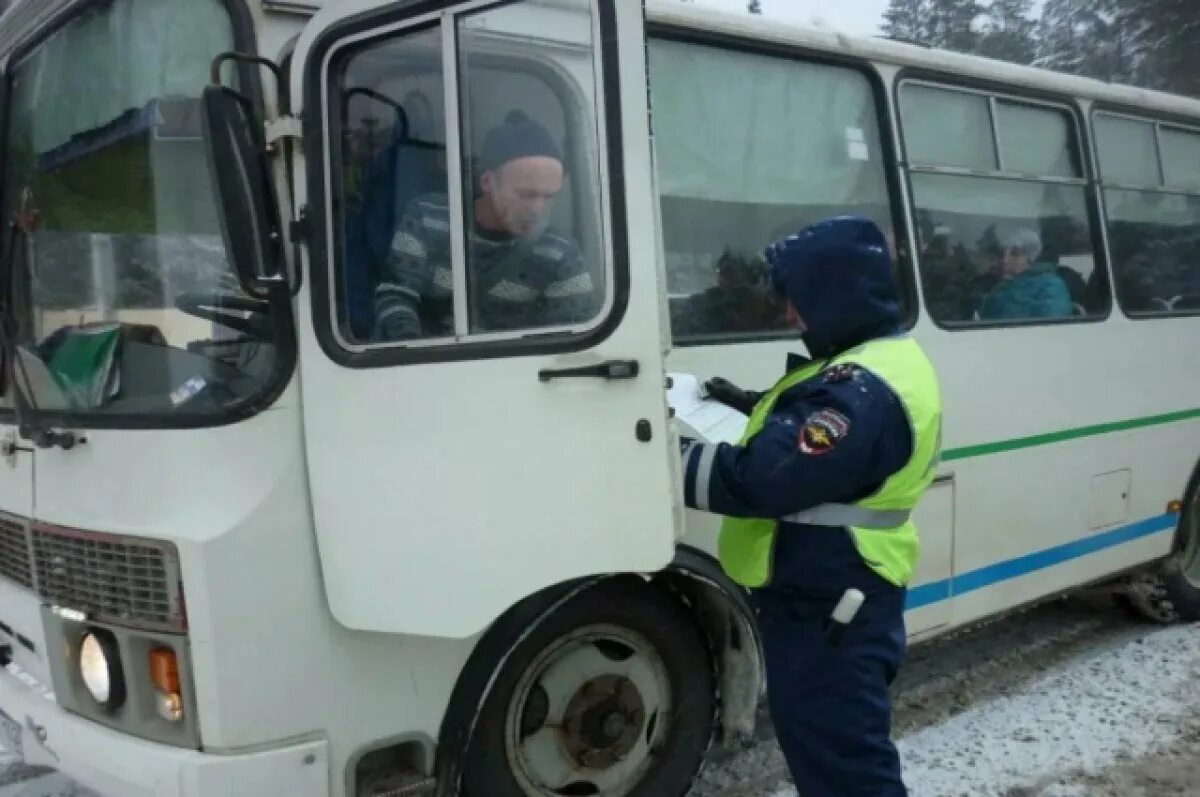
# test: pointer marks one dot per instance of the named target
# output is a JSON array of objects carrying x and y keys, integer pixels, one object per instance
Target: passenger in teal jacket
[{"x": 1030, "y": 289}]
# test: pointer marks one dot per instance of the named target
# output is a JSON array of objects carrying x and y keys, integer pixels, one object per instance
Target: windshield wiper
[{"x": 40, "y": 435}]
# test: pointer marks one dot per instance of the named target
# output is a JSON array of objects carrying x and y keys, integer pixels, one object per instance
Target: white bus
[{"x": 249, "y": 549}]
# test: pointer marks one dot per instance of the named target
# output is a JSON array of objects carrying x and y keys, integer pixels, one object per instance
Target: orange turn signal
[
  {"x": 164, "y": 670},
  {"x": 1175, "y": 507}
]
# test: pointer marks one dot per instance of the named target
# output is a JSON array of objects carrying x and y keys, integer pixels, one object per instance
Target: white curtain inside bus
[{"x": 753, "y": 129}]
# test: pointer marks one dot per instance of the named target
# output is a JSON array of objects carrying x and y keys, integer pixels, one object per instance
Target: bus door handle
[{"x": 613, "y": 369}]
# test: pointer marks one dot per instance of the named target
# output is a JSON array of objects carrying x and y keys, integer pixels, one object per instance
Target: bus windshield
[{"x": 123, "y": 303}]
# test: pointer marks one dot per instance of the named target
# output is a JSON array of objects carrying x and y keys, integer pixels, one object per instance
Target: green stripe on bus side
[{"x": 984, "y": 449}]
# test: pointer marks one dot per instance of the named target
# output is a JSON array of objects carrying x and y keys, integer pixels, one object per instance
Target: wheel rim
[
  {"x": 1190, "y": 555},
  {"x": 589, "y": 714}
]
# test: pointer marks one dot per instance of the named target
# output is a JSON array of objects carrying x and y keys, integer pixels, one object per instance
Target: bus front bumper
[{"x": 119, "y": 765}]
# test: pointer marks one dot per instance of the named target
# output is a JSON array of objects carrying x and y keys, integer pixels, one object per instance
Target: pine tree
[
  {"x": 1062, "y": 31},
  {"x": 951, "y": 24},
  {"x": 1150, "y": 43},
  {"x": 1104, "y": 39},
  {"x": 754, "y": 6},
  {"x": 1009, "y": 32},
  {"x": 1169, "y": 39},
  {"x": 905, "y": 20}
]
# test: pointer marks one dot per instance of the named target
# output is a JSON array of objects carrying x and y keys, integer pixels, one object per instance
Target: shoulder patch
[
  {"x": 822, "y": 431},
  {"x": 842, "y": 373}
]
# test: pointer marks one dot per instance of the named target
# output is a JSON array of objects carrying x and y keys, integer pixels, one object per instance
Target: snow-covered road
[{"x": 1069, "y": 699}]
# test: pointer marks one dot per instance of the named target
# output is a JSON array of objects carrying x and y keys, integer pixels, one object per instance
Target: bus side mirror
[{"x": 241, "y": 180}]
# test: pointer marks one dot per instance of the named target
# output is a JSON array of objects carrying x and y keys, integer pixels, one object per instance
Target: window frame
[
  {"x": 906, "y": 266},
  {"x": 1159, "y": 128},
  {"x": 992, "y": 123},
  {"x": 323, "y": 134},
  {"x": 1159, "y": 121},
  {"x": 995, "y": 98},
  {"x": 1100, "y": 178},
  {"x": 245, "y": 39},
  {"x": 1085, "y": 154}
]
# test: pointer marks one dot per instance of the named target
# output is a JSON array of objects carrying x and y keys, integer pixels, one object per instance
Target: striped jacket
[{"x": 512, "y": 283}]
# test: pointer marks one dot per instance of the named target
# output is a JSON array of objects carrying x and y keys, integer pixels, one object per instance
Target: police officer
[{"x": 818, "y": 497}]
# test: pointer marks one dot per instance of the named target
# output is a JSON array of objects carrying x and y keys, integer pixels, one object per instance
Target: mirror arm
[
  {"x": 281, "y": 128},
  {"x": 220, "y": 60}
]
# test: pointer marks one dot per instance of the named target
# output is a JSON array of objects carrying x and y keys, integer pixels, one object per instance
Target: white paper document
[{"x": 703, "y": 417}]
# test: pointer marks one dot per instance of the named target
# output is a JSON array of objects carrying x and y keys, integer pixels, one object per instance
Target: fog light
[
  {"x": 100, "y": 669},
  {"x": 164, "y": 674}
]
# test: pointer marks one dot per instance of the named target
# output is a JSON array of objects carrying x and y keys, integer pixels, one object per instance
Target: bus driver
[{"x": 520, "y": 273}]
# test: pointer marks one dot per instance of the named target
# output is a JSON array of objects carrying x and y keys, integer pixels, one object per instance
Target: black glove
[{"x": 731, "y": 395}]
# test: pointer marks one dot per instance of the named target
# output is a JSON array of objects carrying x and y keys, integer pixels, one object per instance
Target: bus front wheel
[{"x": 614, "y": 694}]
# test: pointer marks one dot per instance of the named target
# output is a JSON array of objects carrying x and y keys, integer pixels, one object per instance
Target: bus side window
[
  {"x": 1001, "y": 207},
  {"x": 1151, "y": 176},
  {"x": 751, "y": 148}
]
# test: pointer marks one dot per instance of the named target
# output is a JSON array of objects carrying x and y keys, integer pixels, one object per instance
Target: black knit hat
[{"x": 517, "y": 137}]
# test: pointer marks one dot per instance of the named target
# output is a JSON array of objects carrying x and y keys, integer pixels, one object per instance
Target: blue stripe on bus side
[{"x": 938, "y": 591}]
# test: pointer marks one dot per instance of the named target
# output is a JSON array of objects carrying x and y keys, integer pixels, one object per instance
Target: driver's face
[{"x": 522, "y": 191}]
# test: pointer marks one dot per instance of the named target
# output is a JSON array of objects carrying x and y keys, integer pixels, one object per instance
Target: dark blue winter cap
[
  {"x": 838, "y": 275},
  {"x": 517, "y": 137}
]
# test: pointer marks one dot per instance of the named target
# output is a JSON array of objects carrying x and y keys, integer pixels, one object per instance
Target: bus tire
[
  {"x": 613, "y": 693},
  {"x": 1171, "y": 592},
  {"x": 1181, "y": 572}
]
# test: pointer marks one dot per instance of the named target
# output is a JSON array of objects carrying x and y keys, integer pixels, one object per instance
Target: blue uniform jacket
[
  {"x": 832, "y": 439},
  {"x": 779, "y": 474}
]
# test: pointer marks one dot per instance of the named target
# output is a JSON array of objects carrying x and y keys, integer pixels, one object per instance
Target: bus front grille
[
  {"x": 15, "y": 561},
  {"x": 127, "y": 581}
]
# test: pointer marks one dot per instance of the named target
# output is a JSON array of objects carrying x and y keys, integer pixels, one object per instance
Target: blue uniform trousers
[{"x": 830, "y": 703}]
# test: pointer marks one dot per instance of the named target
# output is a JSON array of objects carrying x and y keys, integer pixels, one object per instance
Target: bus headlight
[{"x": 100, "y": 669}]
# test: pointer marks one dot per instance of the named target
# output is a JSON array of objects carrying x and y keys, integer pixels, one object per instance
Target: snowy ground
[
  {"x": 1072, "y": 699},
  {"x": 1068, "y": 700}
]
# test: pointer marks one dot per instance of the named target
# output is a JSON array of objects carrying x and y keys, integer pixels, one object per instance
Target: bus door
[{"x": 483, "y": 359}]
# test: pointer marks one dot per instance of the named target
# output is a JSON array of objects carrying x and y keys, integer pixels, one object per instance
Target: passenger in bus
[
  {"x": 740, "y": 302},
  {"x": 953, "y": 287},
  {"x": 1029, "y": 288},
  {"x": 520, "y": 273},
  {"x": 818, "y": 497}
]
